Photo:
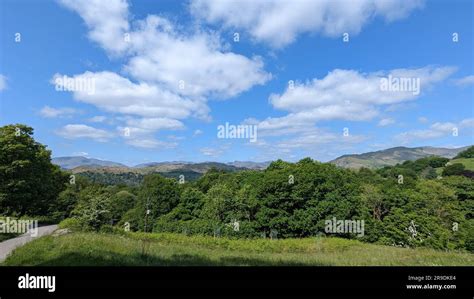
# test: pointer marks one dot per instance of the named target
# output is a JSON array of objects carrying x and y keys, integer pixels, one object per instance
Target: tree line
[{"x": 409, "y": 204}]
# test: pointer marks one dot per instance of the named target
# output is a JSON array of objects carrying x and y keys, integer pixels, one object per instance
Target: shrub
[
  {"x": 454, "y": 169},
  {"x": 73, "y": 224}
]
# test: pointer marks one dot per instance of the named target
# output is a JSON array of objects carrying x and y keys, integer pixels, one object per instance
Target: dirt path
[{"x": 6, "y": 247}]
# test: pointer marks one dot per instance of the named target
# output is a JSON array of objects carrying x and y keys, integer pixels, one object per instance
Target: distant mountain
[
  {"x": 152, "y": 164},
  {"x": 392, "y": 156},
  {"x": 134, "y": 175},
  {"x": 203, "y": 167},
  {"x": 77, "y": 161},
  {"x": 161, "y": 167},
  {"x": 250, "y": 164},
  {"x": 377, "y": 159}
]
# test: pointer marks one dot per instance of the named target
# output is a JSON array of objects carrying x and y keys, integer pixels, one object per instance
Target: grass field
[
  {"x": 93, "y": 249},
  {"x": 467, "y": 162}
]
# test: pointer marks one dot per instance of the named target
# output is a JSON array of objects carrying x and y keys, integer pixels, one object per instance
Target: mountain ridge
[
  {"x": 373, "y": 159},
  {"x": 393, "y": 156}
]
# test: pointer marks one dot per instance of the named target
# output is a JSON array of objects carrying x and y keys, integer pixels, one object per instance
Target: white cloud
[
  {"x": 308, "y": 141},
  {"x": 82, "y": 154},
  {"x": 50, "y": 112},
  {"x": 342, "y": 89},
  {"x": 386, "y": 122},
  {"x": 97, "y": 119},
  {"x": 437, "y": 130},
  {"x": 343, "y": 95},
  {"x": 159, "y": 57},
  {"x": 75, "y": 131},
  {"x": 191, "y": 65},
  {"x": 315, "y": 137},
  {"x": 197, "y": 132},
  {"x": 159, "y": 53},
  {"x": 3, "y": 82},
  {"x": 279, "y": 22},
  {"x": 114, "y": 93},
  {"x": 107, "y": 21},
  {"x": 468, "y": 80},
  {"x": 150, "y": 143},
  {"x": 211, "y": 152},
  {"x": 154, "y": 124}
]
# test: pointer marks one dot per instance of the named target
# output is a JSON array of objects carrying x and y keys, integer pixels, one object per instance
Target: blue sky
[{"x": 159, "y": 78}]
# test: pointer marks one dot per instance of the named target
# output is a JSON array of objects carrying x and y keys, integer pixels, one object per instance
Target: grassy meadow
[{"x": 140, "y": 249}]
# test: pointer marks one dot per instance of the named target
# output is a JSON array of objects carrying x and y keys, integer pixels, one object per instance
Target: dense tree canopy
[{"x": 29, "y": 183}]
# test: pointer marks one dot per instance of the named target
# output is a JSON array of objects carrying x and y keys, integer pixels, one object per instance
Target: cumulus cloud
[
  {"x": 76, "y": 131},
  {"x": 114, "y": 93},
  {"x": 345, "y": 95},
  {"x": 193, "y": 63},
  {"x": 437, "y": 130},
  {"x": 50, "y": 112},
  {"x": 107, "y": 21},
  {"x": 190, "y": 65},
  {"x": 172, "y": 73},
  {"x": 349, "y": 88},
  {"x": 279, "y": 22}
]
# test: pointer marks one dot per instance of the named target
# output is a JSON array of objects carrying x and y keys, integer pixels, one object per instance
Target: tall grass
[{"x": 138, "y": 249}]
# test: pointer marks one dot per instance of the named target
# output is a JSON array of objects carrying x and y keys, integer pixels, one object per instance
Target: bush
[
  {"x": 469, "y": 153},
  {"x": 207, "y": 227},
  {"x": 454, "y": 169},
  {"x": 74, "y": 224}
]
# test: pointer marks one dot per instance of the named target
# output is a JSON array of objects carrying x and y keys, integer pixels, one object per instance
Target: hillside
[
  {"x": 134, "y": 175},
  {"x": 250, "y": 164},
  {"x": 393, "y": 156},
  {"x": 77, "y": 161}
]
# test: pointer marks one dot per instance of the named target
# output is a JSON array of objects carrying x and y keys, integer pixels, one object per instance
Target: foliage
[
  {"x": 453, "y": 169},
  {"x": 30, "y": 184},
  {"x": 405, "y": 205},
  {"x": 468, "y": 153}
]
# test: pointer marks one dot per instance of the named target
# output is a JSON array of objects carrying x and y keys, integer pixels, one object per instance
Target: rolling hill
[
  {"x": 377, "y": 159},
  {"x": 77, "y": 161},
  {"x": 392, "y": 156},
  {"x": 106, "y": 172}
]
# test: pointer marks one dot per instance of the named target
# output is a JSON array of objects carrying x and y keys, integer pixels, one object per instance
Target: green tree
[
  {"x": 29, "y": 182},
  {"x": 468, "y": 153},
  {"x": 159, "y": 195},
  {"x": 94, "y": 207},
  {"x": 120, "y": 203},
  {"x": 430, "y": 173},
  {"x": 454, "y": 169},
  {"x": 220, "y": 204}
]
